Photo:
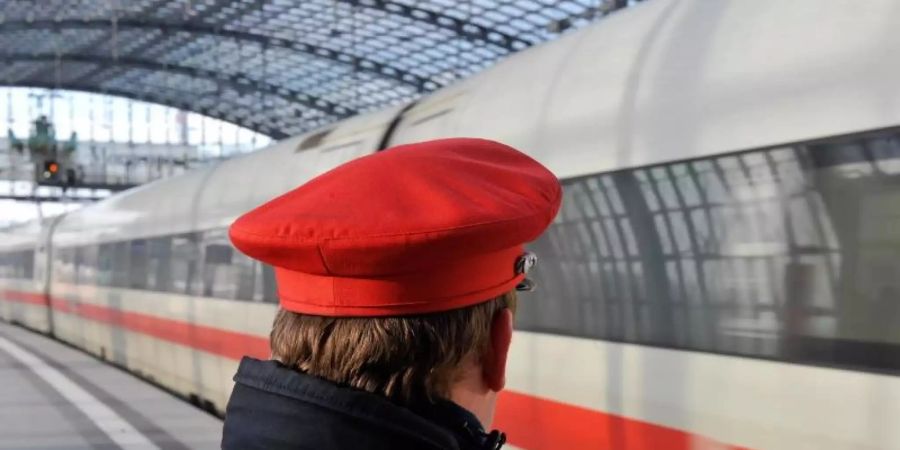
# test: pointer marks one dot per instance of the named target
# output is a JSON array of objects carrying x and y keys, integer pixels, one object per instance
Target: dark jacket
[{"x": 273, "y": 407}]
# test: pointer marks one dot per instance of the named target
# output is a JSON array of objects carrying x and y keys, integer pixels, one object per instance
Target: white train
[{"x": 724, "y": 273}]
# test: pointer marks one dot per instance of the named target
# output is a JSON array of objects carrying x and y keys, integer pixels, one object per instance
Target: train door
[{"x": 43, "y": 270}]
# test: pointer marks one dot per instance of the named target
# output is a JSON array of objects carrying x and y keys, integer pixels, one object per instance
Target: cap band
[{"x": 453, "y": 285}]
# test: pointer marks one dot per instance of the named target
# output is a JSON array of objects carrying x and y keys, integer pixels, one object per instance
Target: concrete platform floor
[{"x": 56, "y": 397}]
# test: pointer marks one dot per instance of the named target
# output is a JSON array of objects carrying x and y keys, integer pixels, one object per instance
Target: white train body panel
[
  {"x": 30, "y": 309},
  {"x": 757, "y": 404},
  {"x": 179, "y": 367},
  {"x": 31, "y": 314},
  {"x": 661, "y": 82},
  {"x": 671, "y": 80}
]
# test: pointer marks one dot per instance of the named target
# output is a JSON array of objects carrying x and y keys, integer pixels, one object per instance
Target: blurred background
[{"x": 723, "y": 273}]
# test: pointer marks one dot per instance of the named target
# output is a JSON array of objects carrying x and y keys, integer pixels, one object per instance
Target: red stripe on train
[
  {"x": 208, "y": 339},
  {"x": 542, "y": 424},
  {"x": 530, "y": 422},
  {"x": 25, "y": 297}
]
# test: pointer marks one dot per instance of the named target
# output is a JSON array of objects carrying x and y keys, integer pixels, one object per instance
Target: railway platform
[{"x": 55, "y": 397}]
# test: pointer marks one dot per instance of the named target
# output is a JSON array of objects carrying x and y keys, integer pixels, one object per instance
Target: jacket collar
[
  {"x": 443, "y": 424},
  {"x": 461, "y": 421}
]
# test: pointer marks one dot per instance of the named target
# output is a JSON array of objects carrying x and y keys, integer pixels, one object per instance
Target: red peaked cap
[{"x": 418, "y": 228}]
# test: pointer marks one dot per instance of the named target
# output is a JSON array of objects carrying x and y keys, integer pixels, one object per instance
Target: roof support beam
[
  {"x": 236, "y": 81},
  {"x": 462, "y": 28},
  {"x": 422, "y": 84},
  {"x": 156, "y": 97}
]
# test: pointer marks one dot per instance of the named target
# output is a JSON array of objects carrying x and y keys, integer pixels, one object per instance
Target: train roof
[
  {"x": 21, "y": 237},
  {"x": 670, "y": 80}
]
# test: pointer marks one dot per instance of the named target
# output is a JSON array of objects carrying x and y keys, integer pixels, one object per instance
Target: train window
[
  {"x": 72, "y": 264},
  {"x": 159, "y": 264},
  {"x": 105, "y": 264},
  {"x": 137, "y": 269},
  {"x": 219, "y": 275},
  {"x": 244, "y": 270},
  {"x": 17, "y": 265},
  {"x": 218, "y": 254},
  {"x": 68, "y": 264},
  {"x": 57, "y": 263},
  {"x": 186, "y": 264},
  {"x": 28, "y": 264},
  {"x": 120, "y": 264},
  {"x": 13, "y": 265},
  {"x": 788, "y": 253},
  {"x": 886, "y": 153},
  {"x": 77, "y": 256},
  {"x": 87, "y": 265},
  {"x": 268, "y": 282},
  {"x": 65, "y": 265}
]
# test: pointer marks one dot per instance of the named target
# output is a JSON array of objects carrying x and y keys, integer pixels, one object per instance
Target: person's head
[
  {"x": 397, "y": 271},
  {"x": 458, "y": 354}
]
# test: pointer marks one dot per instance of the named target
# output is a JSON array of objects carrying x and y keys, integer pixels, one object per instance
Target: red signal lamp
[{"x": 51, "y": 170}]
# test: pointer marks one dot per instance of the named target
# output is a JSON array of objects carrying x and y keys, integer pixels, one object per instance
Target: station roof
[{"x": 279, "y": 67}]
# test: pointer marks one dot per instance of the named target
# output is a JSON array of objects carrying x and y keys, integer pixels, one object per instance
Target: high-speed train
[{"x": 724, "y": 272}]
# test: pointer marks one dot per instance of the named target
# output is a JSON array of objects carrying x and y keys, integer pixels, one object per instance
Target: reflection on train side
[
  {"x": 790, "y": 253},
  {"x": 200, "y": 264}
]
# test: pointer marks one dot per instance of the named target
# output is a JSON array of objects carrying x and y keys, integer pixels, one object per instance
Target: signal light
[{"x": 51, "y": 169}]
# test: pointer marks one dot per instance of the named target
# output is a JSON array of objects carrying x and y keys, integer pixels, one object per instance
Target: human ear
[{"x": 494, "y": 364}]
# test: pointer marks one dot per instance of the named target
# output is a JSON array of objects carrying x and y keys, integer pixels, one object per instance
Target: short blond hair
[{"x": 406, "y": 358}]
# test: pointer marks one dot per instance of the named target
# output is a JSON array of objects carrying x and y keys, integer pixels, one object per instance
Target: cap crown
[{"x": 411, "y": 212}]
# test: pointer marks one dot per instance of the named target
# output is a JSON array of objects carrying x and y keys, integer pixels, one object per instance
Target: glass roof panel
[{"x": 280, "y": 67}]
